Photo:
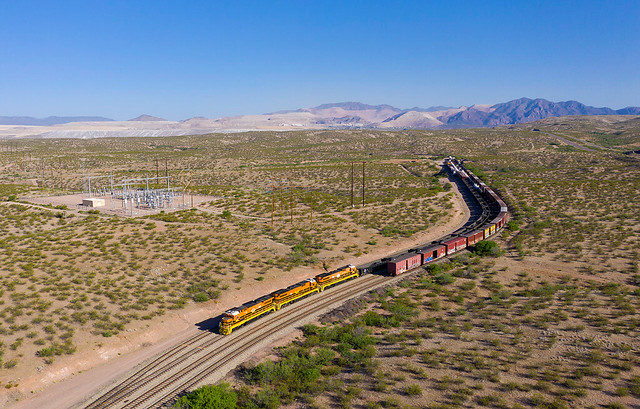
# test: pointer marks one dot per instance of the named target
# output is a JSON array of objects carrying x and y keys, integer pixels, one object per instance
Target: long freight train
[{"x": 494, "y": 217}]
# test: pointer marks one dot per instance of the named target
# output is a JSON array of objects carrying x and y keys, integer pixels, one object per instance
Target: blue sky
[{"x": 179, "y": 59}]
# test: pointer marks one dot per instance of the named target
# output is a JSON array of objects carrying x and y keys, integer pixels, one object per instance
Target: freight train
[{"x": 493, "y": 218}]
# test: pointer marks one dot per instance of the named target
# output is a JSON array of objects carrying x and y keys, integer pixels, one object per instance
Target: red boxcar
[
  {"x": 404, "y": 263},
  {"x": 474, "y": 237},
  {"x": 395, "y": 267},
  {"x": 432, "y": 253},
  {"x": 455, "y": 244}
]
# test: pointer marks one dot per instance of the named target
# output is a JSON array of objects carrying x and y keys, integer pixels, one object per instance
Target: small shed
[{"x": 93, "y": 202}]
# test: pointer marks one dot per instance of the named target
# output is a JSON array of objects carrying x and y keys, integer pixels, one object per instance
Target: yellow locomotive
[
  {"x": 246, "y": 312},
  {"x": 333, "y": 277}
]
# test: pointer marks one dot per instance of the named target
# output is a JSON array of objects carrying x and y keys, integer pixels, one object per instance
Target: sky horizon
[{"x": 178, "y": 60}]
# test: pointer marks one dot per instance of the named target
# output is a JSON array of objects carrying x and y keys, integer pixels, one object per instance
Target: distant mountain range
[
  {"x": 343, "y": 115},
  {"x": 513, "y": 112},
  {"x": 147, "y": 118},
  {"x": 49, "y": 121},
  {"x": 356, "y": 114}
]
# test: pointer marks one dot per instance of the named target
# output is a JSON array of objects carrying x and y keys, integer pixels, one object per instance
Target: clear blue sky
[{"x": 179, "y": 59}]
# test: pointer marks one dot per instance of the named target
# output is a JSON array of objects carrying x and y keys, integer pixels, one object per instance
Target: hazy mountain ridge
[
  {"x": 50, "y": 120},
  {"x": 147, "y": 118},
  {"x": 525, "y": 110},
  {"x": 342, "y": 115}
]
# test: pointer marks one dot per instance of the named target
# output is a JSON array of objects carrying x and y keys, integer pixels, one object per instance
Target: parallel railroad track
[{"x": 167, "y": 376}]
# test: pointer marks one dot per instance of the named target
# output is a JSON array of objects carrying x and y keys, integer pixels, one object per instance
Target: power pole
[
  {"x": 363, "y": 184},
  {"x": 291, "y": 202},
  {"x": 311, "y": 192},
  {"x": 157, "y": 171},
  {"x": 166, "y": 171},
  {"x": 273, "y": 201},
  {"x": 351, "y": 184},
  {"x": 191, "y": 186}
]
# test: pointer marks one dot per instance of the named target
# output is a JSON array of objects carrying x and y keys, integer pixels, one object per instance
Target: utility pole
[
  {"x": 363, "y": 184},
  {"x": 351, "y": 184},
  {"x": 166, "y": 171},
  {"x": 157, "y": 171},
  {"x": 191, "y": 186},
  {"x": 273, "y": 201},
  {"x": 311, "y": 192},
  {"x": 291, "y": 202}
]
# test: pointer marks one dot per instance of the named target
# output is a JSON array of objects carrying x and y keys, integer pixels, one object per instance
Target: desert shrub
[
  {"x": 413, "y": 390},
  {"x": 488, "y": 248},
  {"x": 209, "y": 396}
]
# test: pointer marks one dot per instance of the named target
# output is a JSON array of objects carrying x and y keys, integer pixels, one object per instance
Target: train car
[
  {"x": 488, "y": 230},
  {"x": 294, "y": 292},
  {"x": 246, "y": 312},
  {"x": 455, "y": 244},
  {"x": 500, "y": 220},
  {"x": 372, "y": 267},
  {"x": 333, "y": 277},
  {"x": 503, "y": 206},
  {"x": 497, "y": 223},
  {"x": 474, "y": 237},
  {"x": 404, "y": 263},
  {"x": 432, "y": 253}
]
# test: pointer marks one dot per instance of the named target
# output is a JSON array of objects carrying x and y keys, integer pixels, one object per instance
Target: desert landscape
[{"x": 550, "y": 320}]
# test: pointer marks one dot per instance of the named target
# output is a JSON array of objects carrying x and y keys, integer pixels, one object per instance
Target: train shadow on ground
[{"x": 210, "y": 324}]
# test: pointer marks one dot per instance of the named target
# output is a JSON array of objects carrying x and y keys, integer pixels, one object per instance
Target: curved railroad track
[{"x": 198, "y": 358}]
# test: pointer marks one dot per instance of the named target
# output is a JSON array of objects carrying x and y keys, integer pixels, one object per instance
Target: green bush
[
  {"x": 209, "y": 396},
  {"x": 488, "y": 248},
  {"x": 513, "y": 225},
  {"x": 444, "y": 279},
  {"x": 200, "y": 297},
  {"x": 413, "y": 390}
]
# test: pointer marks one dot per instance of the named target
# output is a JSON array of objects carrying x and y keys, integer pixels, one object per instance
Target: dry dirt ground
[{"x": 71, "y": 379}]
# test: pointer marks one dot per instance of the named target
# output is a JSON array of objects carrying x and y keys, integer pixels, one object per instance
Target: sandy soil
[{"x": 73, "y": 379}]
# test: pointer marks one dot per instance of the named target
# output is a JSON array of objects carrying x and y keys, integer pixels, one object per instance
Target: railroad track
[
  {"x": 174, "y": 355},
  {"x": 184, "y": 366},
  {"x": 163, "y": 379}
]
